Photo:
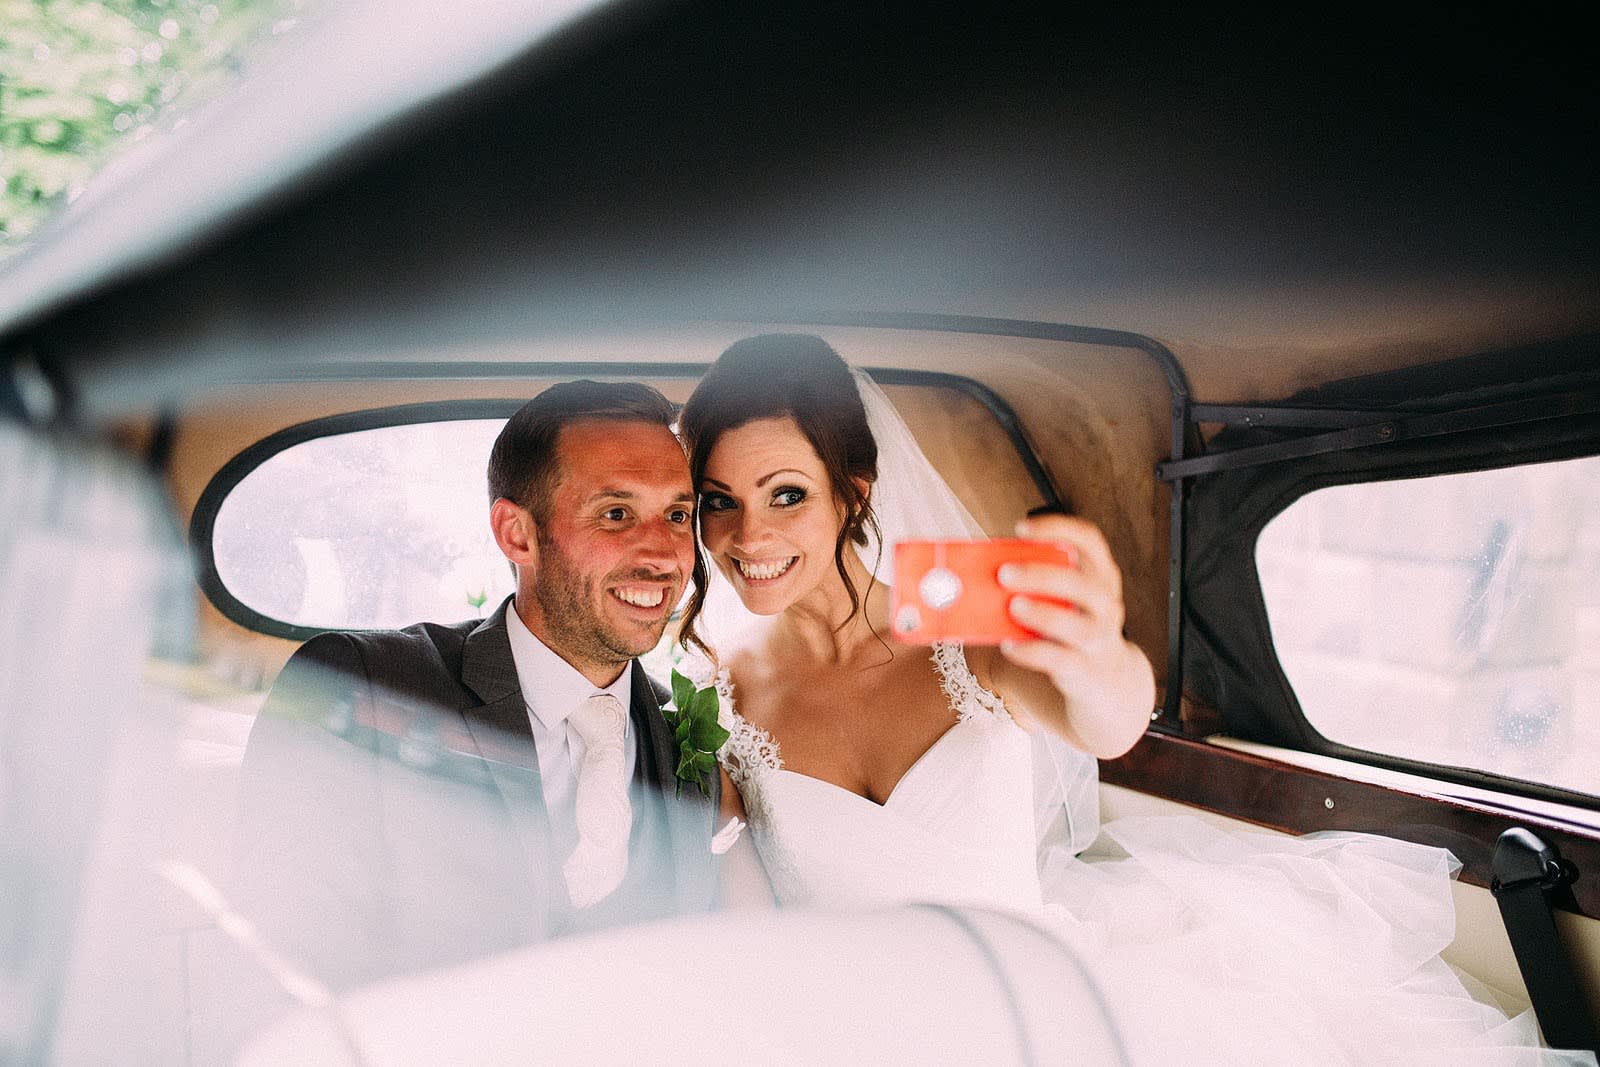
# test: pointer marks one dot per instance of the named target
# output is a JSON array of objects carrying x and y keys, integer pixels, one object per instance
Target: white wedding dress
[{"x": 1208, "y": 946}]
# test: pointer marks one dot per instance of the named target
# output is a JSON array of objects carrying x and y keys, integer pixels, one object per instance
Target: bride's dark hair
[{"x": 772, "y": 376}]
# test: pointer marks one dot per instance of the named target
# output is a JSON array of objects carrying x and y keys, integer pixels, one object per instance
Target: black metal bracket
[
  {"x": 1296, "y": 417},
  {"x": 1530, "y": 878},
  {"x": 1364, "y": 429}
]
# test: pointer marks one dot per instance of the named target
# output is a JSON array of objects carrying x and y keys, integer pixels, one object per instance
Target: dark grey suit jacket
[{"x": 392, "y": 818}]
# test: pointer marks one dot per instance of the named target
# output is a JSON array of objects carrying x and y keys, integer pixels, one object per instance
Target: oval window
[{"x": 373, "y": 528}]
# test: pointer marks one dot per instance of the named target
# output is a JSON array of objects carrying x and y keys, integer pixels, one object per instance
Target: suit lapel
[
  {"x": 490, "y": 674},
  {"x": 504, "y": 739},
  {"x": 655, "y": 739}
]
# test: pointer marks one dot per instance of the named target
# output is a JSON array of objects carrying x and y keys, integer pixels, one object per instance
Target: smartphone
[{"x": 951, "y": 591}]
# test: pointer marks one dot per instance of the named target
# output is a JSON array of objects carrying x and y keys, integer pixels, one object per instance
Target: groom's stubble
[{"x": 567, "y": 596}]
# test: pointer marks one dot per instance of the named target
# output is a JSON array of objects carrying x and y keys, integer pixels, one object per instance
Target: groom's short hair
[{"x": 523, "y": 466}]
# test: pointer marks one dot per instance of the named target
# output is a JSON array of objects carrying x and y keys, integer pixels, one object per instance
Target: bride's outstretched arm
[
  {"x": 744, "y": 881},
  {"x": 1081, "y": 678}
]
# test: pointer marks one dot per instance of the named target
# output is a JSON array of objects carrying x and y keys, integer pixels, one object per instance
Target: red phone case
[{"x": 951, "y": 591}]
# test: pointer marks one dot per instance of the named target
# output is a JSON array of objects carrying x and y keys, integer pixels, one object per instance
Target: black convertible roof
[{"x": 506, "y": 171}]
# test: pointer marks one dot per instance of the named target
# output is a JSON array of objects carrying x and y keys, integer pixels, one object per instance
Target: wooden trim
[{"x": 1283, "y": 796}]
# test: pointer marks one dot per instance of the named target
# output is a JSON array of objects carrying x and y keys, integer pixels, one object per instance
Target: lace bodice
[
  {"x": 751, "y": 752},
  {"x": 957, "y": 828}
]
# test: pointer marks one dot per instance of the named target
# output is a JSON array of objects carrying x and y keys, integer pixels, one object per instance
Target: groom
[{"x": 429, "y": 795}]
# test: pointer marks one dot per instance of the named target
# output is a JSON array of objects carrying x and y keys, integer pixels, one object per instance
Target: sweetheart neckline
[{"x": 895, "y": 791}]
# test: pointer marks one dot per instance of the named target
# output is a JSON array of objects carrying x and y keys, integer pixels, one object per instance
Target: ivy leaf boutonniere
[{"x": 692, "y": 714}]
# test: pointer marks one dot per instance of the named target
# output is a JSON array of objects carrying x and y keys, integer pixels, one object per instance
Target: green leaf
[
  {"x": 683, "y": 731},
  {"x": 682, "y": 691},
  {"x": 707, "y": 735},
  {"x": 704, "y": 705}
]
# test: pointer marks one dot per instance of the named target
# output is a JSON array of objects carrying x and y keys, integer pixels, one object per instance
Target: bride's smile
[
  {"x": 766, "y": 571},
  {"x": 768, "y": 516}
]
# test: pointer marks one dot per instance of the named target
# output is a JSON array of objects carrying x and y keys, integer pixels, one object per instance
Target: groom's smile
[{"x": 641, "y": 597}]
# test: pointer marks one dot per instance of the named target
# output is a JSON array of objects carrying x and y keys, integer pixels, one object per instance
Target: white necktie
[{"x": 601, "y": 809}]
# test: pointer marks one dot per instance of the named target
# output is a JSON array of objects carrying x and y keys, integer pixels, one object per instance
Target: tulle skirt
[{"x": 1242, "y": 947}]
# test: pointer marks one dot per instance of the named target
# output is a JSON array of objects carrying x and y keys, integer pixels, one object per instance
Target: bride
[
  {"x": 873, "y": 773},
  {"x": 829, "y": 711}
]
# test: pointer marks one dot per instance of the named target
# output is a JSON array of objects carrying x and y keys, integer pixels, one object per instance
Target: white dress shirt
[{"x": 553, "y": 690}]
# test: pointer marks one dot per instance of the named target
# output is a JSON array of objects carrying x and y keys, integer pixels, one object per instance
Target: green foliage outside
[{"x": 79, "y": 79}]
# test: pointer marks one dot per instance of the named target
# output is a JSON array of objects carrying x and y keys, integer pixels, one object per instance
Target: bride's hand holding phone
[{"x": 1078, "y": 675}]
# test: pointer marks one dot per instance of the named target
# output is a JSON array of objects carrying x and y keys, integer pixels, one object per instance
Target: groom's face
[{"x": 615, "y": 545}]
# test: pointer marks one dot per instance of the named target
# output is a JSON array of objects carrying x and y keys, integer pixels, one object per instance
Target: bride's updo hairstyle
[{"x": 798, "y": 376}]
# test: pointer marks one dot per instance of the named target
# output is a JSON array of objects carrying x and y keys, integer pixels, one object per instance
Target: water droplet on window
[
  {"x": 37, "y": 393},
  {"x": 908, "y": 619}
]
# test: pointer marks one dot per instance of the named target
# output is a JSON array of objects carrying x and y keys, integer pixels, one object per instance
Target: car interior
[{"x": 1304, "y": 318}]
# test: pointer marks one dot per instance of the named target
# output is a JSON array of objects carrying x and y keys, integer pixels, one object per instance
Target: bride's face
[{"x": 768, "y": 514}]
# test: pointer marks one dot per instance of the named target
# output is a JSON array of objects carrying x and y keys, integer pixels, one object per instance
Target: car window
[
  {"x": 366, "y": 529},
  {"x": 1452, "y": 619}
]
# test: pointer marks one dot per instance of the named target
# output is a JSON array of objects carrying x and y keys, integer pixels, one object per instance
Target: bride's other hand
[{"x": 1081, "y": 677}]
